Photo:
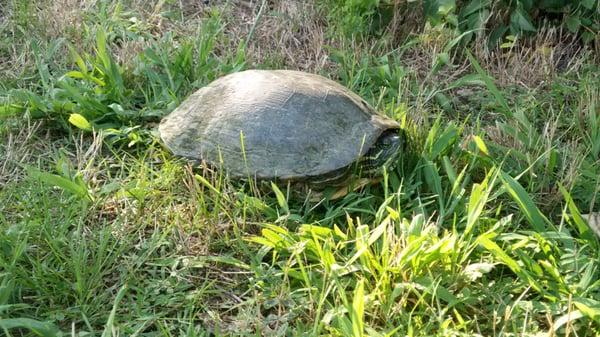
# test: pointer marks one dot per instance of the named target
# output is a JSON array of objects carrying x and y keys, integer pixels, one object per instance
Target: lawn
[{"x": 482, "y": 227}]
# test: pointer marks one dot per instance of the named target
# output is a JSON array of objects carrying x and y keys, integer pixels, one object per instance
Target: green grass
[{"x": 478, "y": 229}]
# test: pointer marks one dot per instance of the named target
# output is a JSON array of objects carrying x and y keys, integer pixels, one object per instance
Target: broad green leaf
[
  {"x": 101, "y": 48},
  {"x": 257, "y": 203},
  {"x": 443, "y": 142},
  {"x": 394, "y": 214},
  {"x": 573, "y": 23},
  {"x": 443, "y": 101},
  {"x": 92, "y": 107},
  {"x": 527, "y": 4},
  {"x": 552, "y": 4},
  {"x": 450, "y": 172},
  {"x": 280, "y": 197},
  {"x": 339, "y": 232},
  {"x": 109, "y": 328},
  {"x": 477, "y": 201},
  {"x": 481, "y": 145},
  {"x": 75, "y": 74},
  {"x": 39, "y": 328},
  {"x": 588, "y": 306},
  {"x": 489, "y": 83},
  {"x": 502, "y": 256},
  {"x": 261, "y": 241},
  {"x": 358, "y": 309},
  {"x": 271, "y": 236},
  {"x": 589, "y": 4},
  {"x": 520, "y": 19},
  {"x": 442, "y": 59},
  {"x": 439, "y": 291},
  {"x": 552, "y": 270},
  {"x": 80, "y": 122},
  {"x": 469, "y": 79},
  {"x": 78, "y": 60},
  {"x": 9, "y": 109},
  {"x": 62, "y": 182},
  {"x": 207, "y": 184},
  {"x": 527, "y": 206},
  {"x": 319, "y": 231},
  {"x": 499, "y": 253},
  {"x": 474, "y": 6},
  {"x": 434, "y": 182},
  {"x": 507, "y": 45},
  {"x": 496, "y": 35},
  {"x": 567, "y": 318},
  {"x": 345, "y": 325},
  {"x": 579, "y": 221}
]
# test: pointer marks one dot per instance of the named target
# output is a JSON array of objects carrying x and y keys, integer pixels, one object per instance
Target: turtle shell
[{"x": 274, "y": 124}]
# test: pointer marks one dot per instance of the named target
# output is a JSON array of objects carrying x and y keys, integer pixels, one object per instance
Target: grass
[{"x": 479, "y": 230}]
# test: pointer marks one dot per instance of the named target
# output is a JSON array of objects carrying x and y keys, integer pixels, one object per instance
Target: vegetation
[
  {"x": 492, "y": 20},
  {"x": 480, "y": 229}
]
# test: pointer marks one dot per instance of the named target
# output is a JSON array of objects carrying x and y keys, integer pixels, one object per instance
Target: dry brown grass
[
  {"x": 289, "y": 34},
  {"x": 533, "y": 62},
  {"x": 292, "y": 34},
  {"x": 35, "y": 143},
  {"x": 64, "y": 18},
  {"x": 529, "y": 63},
  {"x": 407, "y": 20},
  {"x": 23, "y": 146}
]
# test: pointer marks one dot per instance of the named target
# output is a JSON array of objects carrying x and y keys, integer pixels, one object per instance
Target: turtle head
[{"x": 385, "y": 150}]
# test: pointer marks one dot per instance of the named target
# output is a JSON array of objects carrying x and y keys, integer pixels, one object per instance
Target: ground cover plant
[{"x": 479, "y": 230}]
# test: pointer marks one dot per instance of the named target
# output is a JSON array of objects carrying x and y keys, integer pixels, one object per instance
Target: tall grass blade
[
  {"x": 489, "y": 83},
  {"x": 43, "y": 329},
  {"x": 281, "y": 200},
  {"x": 500, "y": 254},
  {"x": 74, "y": 186},
  {"x": 358, "y": 310},
  {"x": 539, "y": 222},
  {"x": 478, "y": 199},
  {"x": 588, "y": 306},
  {"x": 580, "y": 223},
  {"x": 207, "y": 184},
  {"x": 110, "y": 323}
]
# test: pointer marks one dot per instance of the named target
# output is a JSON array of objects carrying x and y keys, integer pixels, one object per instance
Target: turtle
[{"x": 283, "y": 125}]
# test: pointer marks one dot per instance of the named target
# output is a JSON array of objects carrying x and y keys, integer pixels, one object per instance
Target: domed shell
[{"x": 274, "y": 124}]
